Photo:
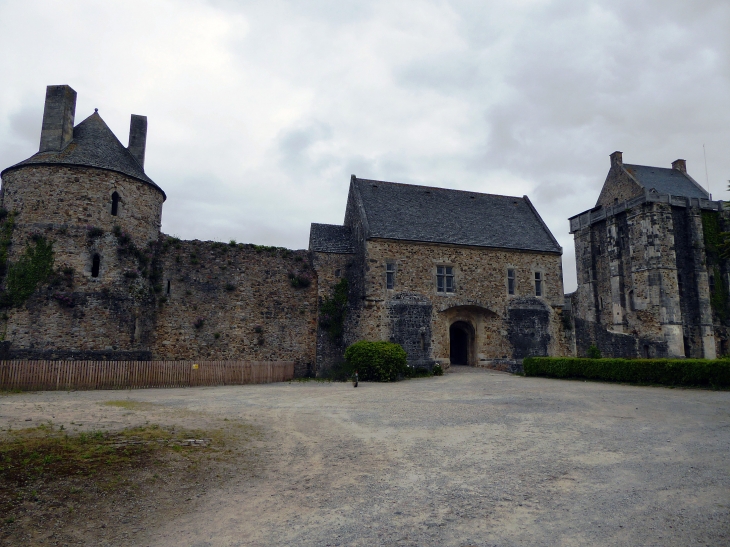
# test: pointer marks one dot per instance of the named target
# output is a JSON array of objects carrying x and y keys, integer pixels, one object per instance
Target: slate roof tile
[
  {"x": 439, "y": 215},
  {"x": 330, "y": 238},
  {"x": 666, "y": 181}
]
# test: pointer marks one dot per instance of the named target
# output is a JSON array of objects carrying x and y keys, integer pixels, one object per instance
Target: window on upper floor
[
  {"x": 510, "y": 281},
  {"x": 445, "y": 279},
  {"x": 115, "y": 204},
  {"x": 390, "y": 275},
  {"x": 538, "y": 284}
]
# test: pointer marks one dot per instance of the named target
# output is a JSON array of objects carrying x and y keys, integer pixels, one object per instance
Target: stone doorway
[{"x": 461, "y": 339}]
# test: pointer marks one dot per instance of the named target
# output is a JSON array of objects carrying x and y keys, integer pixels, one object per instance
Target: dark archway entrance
[{"x": 460, "y": 343}]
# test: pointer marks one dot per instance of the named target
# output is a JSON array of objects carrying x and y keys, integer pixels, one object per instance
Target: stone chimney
[
  {"x": 138, "y": 138},
  {"x": 58, "y": 118},
  {"x": 680, "y": 165},
  {"x": 617, "y": 159}
]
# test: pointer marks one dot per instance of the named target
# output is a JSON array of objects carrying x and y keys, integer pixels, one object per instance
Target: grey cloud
[{"x": 25, "y": 124}]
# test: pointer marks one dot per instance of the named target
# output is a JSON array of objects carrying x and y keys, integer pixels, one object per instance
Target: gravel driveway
[{"x": 471, "y": 458}]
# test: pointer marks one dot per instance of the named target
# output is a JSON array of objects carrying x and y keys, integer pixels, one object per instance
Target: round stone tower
[{"x": 88, "y": 196}]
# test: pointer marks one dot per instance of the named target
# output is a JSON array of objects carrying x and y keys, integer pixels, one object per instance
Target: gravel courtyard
[{"x": 473, "y": 458}]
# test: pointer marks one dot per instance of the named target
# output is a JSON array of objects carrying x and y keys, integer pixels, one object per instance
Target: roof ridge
[{"x": 440, "y": 188}]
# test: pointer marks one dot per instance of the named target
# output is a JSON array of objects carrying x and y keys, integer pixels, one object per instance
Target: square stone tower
[{"x": 651, "y": 282}]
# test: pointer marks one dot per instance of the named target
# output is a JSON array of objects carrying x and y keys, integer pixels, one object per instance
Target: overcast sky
[{"x": 259, "y": 111}]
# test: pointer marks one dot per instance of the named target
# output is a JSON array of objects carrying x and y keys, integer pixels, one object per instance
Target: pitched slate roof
[
  {"x": 330, "y": 238},
  {"x": 455, "y": 217},
  {"x": 93, "y": 145},
  {"x": 666, "y": 181}
]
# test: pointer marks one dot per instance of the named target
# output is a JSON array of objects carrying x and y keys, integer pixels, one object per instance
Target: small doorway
[{"x": 460, "y": 337}]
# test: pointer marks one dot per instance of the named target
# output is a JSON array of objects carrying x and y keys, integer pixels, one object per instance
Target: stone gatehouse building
[
  {"x": 453, "y": 276},
  {"x": 651, "y": 281}
]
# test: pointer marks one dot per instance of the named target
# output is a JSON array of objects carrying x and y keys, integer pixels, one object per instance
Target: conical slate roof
[{"x": 93, "y": 145}]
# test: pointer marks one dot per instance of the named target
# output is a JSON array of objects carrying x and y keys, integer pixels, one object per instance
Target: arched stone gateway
[{"x": 465, "y": 324}]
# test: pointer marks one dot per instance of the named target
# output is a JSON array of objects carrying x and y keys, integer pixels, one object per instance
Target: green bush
[
  {"x": 376, "y": 361},
  {"x": 668, "y": 372},
  {"x": 594, "y": 352}
]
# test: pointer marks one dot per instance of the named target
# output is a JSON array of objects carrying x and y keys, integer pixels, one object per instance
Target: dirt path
[{"x": 472, "y": 458}]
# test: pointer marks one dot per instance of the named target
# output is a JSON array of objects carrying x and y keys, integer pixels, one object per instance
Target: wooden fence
[{"x": 65, "y": 375}]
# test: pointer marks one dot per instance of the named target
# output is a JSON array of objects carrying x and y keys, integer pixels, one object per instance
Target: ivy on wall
[
  {"x": 7, "y": 224},
  {"x": 32, "y": 268},
  {"x": 333, "y": 309},
  {"x": 716, "y": 248}
]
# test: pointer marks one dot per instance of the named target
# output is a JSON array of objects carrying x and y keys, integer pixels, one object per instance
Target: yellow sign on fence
[{"x": 195, "y": 366}]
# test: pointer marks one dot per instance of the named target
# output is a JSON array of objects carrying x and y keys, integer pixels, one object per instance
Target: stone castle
[{"x": 455, "y": 277}]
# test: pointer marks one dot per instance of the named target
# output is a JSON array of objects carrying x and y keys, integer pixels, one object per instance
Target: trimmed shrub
[
  {"x": 668, "y": 372},
  {"x": 376, "y": 361},
  {"x": 594, "y": 352}
]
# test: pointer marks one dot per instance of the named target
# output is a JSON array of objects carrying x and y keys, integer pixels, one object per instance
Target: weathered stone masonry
[
  {"x": 644, "y": 285},
  {"x": 408, "y": 232}
]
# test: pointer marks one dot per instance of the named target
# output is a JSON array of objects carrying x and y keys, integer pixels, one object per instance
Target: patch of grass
[
  {"x": 48, "y": 454},
  {"x": 131, "y": 405}
]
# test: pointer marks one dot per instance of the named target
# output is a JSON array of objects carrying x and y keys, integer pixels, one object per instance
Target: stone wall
[
  {"x": 189, "y": 300},
  {"x": 76, "y": 316},
  {"x": 499, "y": 321},
  {"x": 235, "y": 302},
  {"x": 642, "y": 272},
  {"x": 619, "y": 186},
  {"x": 61, "y": 195},
  {"x": 331, "y": 268}
]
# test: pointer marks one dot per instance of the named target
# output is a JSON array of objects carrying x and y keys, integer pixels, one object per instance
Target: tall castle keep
[{"x": 651, "y": 281}]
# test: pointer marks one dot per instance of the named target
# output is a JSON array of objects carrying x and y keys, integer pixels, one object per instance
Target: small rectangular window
[
  {"x": 510, "y": 281},
  {"x": 444, "y": 279},
  {"x": 538, "y": 284},
  {"x": 389, "y": 275}
]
